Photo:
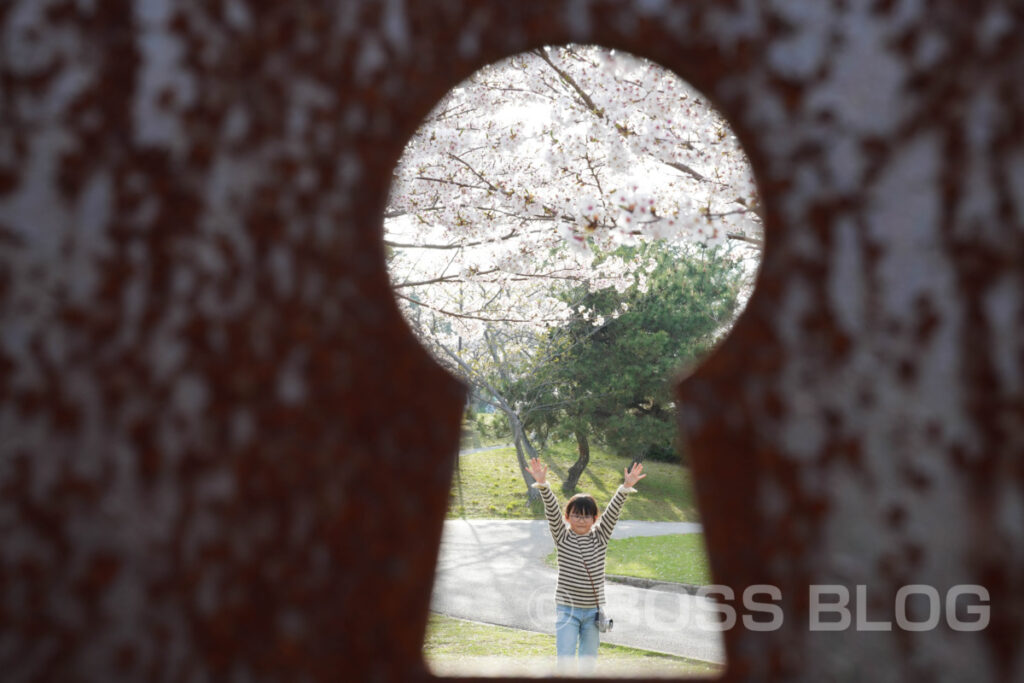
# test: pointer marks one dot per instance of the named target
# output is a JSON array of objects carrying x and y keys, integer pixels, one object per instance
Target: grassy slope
[
  {"x": 458, "y": 647},
  {"x": 488, "y": 485}
]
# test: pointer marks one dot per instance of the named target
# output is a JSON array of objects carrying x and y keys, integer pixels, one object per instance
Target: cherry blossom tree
[{"x": 523, "y": 183}]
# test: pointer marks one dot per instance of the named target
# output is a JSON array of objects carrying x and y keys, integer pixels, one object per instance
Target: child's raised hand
[
  {"x": 538, "y": 470},
  {"x": 634, "y": 475}
]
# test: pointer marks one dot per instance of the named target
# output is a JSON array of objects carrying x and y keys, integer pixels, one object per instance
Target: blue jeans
[{"x": 576, "y": 625}]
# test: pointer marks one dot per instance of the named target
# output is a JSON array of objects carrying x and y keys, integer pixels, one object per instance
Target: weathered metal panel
[{"x": 224, "y": 457}]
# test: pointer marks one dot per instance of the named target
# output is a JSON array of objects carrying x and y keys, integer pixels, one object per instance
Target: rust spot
[
  {"x": 896, "y": 516},
  {"x": 101, "y": 572}
]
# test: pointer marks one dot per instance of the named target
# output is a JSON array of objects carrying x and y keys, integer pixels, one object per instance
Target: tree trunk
[
  {"x": 583, "y": 446},
  {"x": 524, "y": 452}
]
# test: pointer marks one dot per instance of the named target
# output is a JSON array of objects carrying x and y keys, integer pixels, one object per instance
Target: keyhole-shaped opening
[{"x": 567, "y": 231}]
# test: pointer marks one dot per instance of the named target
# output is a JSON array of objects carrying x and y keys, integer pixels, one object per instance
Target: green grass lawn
[
  {"x": 457, "y": 647},
  {"x": 680, "y": 558},
  {"x": 676, "y": 557},
  {"x": 488, "y": 485}
]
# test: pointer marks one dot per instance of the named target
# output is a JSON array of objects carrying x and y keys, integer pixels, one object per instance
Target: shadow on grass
[
  {"x": 553, "y": 466},
  {"x": 597, "y": 483}
]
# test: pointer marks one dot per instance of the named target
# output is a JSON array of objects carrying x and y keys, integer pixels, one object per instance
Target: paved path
[{"x": 493, "y": 571}]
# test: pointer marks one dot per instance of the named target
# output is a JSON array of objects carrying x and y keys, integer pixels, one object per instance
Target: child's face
[{"x": 579, "y": 522}]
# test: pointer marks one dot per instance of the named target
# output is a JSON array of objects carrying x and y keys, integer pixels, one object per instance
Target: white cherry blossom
[{"x": 525, "y": 176}]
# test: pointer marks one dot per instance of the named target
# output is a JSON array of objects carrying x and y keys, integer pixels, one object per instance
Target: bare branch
[
  {"x": 457, "y": 245},
  {"x": 679, "y": 166},
  {"x": 570, "y": 81},
  {"x": 443, "y": 278},
  {"x": 589, "y": 102},
  {"x": 472, "y": 170},
  {"x": 471, "y": 316},
  {"x": 447, "y": 181},
  {"x": 745, "y": 238}
]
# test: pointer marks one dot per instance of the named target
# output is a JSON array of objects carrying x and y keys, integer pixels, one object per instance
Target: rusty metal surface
[{"x": 224, "y": 457}]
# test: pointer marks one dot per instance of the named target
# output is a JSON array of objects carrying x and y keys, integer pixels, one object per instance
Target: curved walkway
[{"x": 493, "y": 571}]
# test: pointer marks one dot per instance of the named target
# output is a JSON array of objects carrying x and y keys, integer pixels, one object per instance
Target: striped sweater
[{"x": 574, "y": 586}]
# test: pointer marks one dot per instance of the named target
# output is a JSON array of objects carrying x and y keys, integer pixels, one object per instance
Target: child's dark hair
[{"x": 581, "y": 504}]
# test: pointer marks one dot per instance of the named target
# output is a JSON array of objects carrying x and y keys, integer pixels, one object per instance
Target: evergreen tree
[{"x": 619, "y": 350}]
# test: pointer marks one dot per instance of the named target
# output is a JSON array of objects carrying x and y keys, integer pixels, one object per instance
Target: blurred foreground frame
[{"x": 223, "y": 456}]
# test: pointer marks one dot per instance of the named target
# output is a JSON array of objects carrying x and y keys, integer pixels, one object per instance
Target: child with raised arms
[{"x": 581, "y": 536}]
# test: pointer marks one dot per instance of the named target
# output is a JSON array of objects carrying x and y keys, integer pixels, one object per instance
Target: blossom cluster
[{"x": 527, "y": 175}]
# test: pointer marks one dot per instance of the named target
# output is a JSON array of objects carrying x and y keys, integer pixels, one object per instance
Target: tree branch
[
  {"x": 679, "y": 166},
  {"x": 446, "y": 181},
  {"x": 460, "y": 245},
  {"x": 470, "y": 316},
  {"x": 474, "y": 172},
  {"x": 745, "y": 238},
  {"x": 589, "y": 102},
  {"x": 442, "y": 278},
  {"x": 571, "y": 82}
]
